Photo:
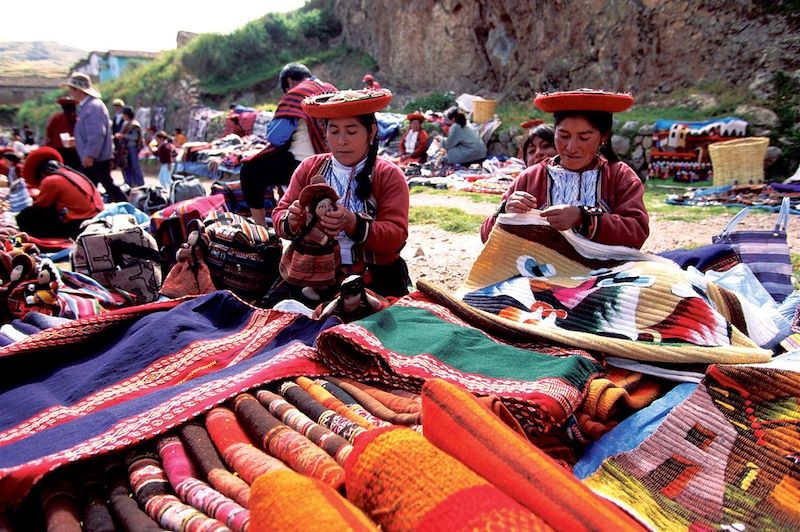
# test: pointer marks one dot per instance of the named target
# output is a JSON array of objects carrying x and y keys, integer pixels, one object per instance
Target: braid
[{"x": 364, "y": 177}]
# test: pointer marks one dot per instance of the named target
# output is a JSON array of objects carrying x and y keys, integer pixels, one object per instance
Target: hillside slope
[{"x": 42, "y": 58}]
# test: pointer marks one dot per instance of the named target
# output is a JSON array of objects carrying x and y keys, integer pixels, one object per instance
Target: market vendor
[
  {"x": 585, "y": 187},
  {"x": 463, "y": 144},
  {"x": 292, "y": 137},
  {"x": 414, "y": 141},
  {"x": 66, "y": 197},
  {"x": 371, "y": 218}
]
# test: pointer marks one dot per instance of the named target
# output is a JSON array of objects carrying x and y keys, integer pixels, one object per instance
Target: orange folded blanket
[
  {"x": 456, "y": 422},
  {"x": 403, "y": 482}
]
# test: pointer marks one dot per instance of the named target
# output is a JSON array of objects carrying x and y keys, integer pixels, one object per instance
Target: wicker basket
[
  {"x": 738, "y": 161},
  {"x": 482, "y": 110}
]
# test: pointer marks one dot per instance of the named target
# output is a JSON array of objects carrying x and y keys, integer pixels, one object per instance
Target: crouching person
[{"x": 66, "y": 197}]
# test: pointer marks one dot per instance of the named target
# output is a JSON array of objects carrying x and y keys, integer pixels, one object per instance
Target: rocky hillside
[
  {"x": 42, "y": 58},
  {"x": 516, "y": 47}
]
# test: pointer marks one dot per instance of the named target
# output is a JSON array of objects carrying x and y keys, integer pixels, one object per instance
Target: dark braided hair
[{"x": 364, "y": 177}]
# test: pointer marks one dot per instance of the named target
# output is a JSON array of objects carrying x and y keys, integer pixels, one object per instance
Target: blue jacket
[{"x": 92, "y": 131}]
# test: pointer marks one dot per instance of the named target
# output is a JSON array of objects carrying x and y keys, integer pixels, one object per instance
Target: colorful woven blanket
[
  {"x": 113, "y": 382},
  {"x": 531, "y": 279},
  {"x": 414, "y": 340},
  {"x": 728, "y": 457}
]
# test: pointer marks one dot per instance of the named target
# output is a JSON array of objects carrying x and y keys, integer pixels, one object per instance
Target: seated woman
[
  {"x": 66, "y": 197},
  {"x": 463, "y": 144},
  {"x": 585, "y": 187},
  {"x": 414, "y": 141},
  {"x": 371, "y": 218},
  {"x": 539, "y": 145}
]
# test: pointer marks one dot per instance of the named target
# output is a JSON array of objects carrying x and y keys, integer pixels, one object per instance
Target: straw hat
[{"x": 83, "y": 83}]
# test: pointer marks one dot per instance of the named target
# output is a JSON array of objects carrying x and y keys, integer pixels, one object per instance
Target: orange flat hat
[
  {"x": 584, "y": 100},
  {"x": 343, "y": 104},
  {"x": 415, "y": 116},
  {"x": 531, "y": 123},
  {"x": 36, "y": 158}
]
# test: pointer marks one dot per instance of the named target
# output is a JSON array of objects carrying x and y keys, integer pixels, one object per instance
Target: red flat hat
[
  {"x": 533, "y": 122},
  {"x": 317, "y": 190},
  {"x": 415, "y": 116},
  {"x": 343, "y": 104},
  {"x": 67, "y": 100},
  {"x": 584, "y": 100},
  {"x": 36, "y": 158}
]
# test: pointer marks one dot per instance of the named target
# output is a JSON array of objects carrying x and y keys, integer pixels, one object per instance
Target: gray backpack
[{"x": 185, "y": 187}]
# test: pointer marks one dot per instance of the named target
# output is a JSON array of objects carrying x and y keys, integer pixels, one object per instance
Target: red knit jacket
[
  {"x": 419, "y": 149},
  {"x": 386, "y": 233},
  {"x": 625, "y": 221}
]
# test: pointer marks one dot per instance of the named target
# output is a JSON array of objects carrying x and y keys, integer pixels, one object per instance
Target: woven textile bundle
[
  {"x": 286, "y": 444},
  {"x": 405, "y": 483},
  {"x": 285, "y": 500},
  {"x": 464, "y": 428},
  {"x": 725, "y": 458},
  {"x": 532, "y": 280}
]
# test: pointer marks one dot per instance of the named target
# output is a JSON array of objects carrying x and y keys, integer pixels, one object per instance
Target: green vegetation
[
  {"x": 36, "y": 112},
  {"x": 148, "y": 82},
  {"x": 435, "y": 101},
  {"x": 654, "y": 197},
  {"x": 447, "y": 218},
  {"x": 473, "y": 196}
]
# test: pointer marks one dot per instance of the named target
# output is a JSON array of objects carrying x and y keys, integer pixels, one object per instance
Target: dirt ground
[{"x": 445, "y": 258}]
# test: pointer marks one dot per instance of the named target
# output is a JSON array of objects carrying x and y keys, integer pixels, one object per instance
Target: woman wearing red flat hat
[
  {"x": 414, "y": 141},
  {"x": 66, "y": 197},
  {"x": 585, "y": 188},
  {"x": 371, "y": 219}
]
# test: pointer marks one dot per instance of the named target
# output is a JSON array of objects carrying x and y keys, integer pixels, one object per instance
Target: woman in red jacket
[
  {"x": 585, "y": 188},
  {"x": 371, "y": 219},
  {"x": 66, "y": 197},
  {"x": 414, "y": 141}
]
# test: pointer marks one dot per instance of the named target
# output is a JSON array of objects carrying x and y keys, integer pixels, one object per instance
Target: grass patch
[
  {"x": 473, "y": 196},
  {"x": 795, "y": 257},
  {"x": 447, "y": 218}
]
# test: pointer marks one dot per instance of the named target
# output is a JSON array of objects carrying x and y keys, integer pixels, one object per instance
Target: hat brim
[
  {"x": 609, "y": 102},
  {"x": 415, "y": 116},
  {"x": 344, "y": 104},
  {"x": 531, "y": 123},
  {"x": 91, "y": 91},
  {"x": 35, "y": 159},
  {"x": 318, "y": 190}
]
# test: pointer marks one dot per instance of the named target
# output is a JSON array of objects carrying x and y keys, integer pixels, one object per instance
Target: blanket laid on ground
[
  {"x": 415, "y": 339},
  {"x": 727, "y": 457},
  {"x": 531, "y": 279},
  {"x": 103, "y": 383}
]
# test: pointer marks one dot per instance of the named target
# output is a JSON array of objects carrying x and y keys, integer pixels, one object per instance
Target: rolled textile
[
  {"x": 151, "y": 488},
  {"x": 351, "y": 403},
  {"x": 316, "y": 411},
  {"x": 95, "y": 512},
  {"x": 404, "y": 482},
  {"x": 127, "y": 514},
  {"x": 462, "y": 427},
  {"x": 375, "y": 406},
  {"x": 398, "y": 403},
  {"x": 60, "y": 504},
  {"x": 329, "y": 441},
  {"x": 201, "y": 449},
  {"x": 236, "y": 448},
  {"x": 182, "y": 475},
  {"x": 285, "y": 500},
  {"x": 332, "y": 403},
  {"x": 288, "y": 445}
]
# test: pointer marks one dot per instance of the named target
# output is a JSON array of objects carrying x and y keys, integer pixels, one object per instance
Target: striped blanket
[{"x": 107, "y": 382}]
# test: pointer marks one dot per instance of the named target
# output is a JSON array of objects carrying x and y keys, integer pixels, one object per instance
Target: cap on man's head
[
  {"x": 117, "y": 102},
  {"x": 367, "y": 77},
  {"x": 81, "y": 82}
]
